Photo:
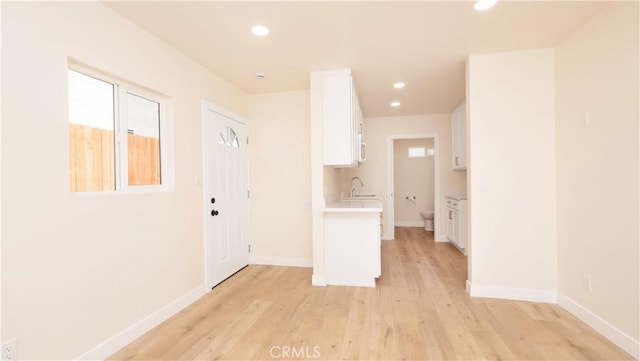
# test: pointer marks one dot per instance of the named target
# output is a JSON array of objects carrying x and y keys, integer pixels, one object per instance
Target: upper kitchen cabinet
[
  {"x": 341, "y": 119},
  {"x": 459, "y": 137}
]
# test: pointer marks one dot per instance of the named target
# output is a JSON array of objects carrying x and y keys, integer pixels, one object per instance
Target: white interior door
[{"x": 226, "y": 194}]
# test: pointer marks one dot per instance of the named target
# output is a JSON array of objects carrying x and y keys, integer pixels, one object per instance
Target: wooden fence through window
[{"x": 92, "y": 159}]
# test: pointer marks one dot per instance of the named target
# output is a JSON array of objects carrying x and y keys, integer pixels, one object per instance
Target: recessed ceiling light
[
  {"x": 395, "y": 104},
  {"x": 260, "y": 30},
  {"x": 398, "y": 85},
  {"x": 260, "y": 75},
  {"x": 482, "y": 5}
]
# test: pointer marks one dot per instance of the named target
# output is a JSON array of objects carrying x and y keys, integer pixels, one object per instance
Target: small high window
[
  {"x": 116, "y": 138},
  {"x": 420, "y": 152}
]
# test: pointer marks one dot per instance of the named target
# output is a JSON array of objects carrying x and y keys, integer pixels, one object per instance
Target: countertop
[
  {"x": 456, "y": 196},
  {"x": 361, "y": 206}
]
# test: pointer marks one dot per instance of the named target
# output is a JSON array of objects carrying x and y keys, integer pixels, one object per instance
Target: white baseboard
[
  {"x": 409, "y": 224},
  {"x": 318, "y": 280},
  {"x": 282, "y": 261},
  {"x": 350, "y": 282},
  {"x": 613, "y": 334},
  {"x": 131, "y": 333},
  {"x": 509, "y": 293}
]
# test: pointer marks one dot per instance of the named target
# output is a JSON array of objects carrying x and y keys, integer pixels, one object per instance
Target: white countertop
[
  {"x": 368, "y": 205},
  {"x": 456, "y": 196}
]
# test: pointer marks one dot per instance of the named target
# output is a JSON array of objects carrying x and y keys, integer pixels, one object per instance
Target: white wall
[
  {"x": 78, "y": 269},
  {"x": 280, "y": 178},
  {"x": 373, "y": 171},
  {"x": 317, "y": 178},
  {"x": 1, "y": 147},
  {"x": 598, "y": 217},
  {"x": 413, "y": 177},
  {"x": 512, "y": 175}
]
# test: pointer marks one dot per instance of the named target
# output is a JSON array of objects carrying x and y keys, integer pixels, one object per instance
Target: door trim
[
  {"x": 389, "y": 233},
  {"x": 206, "y": 107}
]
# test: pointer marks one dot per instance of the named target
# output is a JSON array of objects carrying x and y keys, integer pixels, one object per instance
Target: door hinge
[
  {"x": 249, "y": 248},
  {"x": 248, "y": 194},
  {"x": 247, "y": 140}
]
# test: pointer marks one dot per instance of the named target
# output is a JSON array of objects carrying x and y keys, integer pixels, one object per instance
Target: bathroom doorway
[{"x": 412, "y": 182}]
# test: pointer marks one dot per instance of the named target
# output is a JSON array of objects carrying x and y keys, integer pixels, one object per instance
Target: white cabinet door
[
  {"x": 379, "y": 248},
  {"x": 450, "y": 220},
  {"x": 337, "y": 119},
  {"x": 457, "y": 223},
  {"x": 452, "y": 225},
  {"x": 461, "y": 224},
  {"x": 456, "y": 227},
  {"x": 341, "y": 119},
  {"x": 352, "y": 248},
  {"x": 459, "y": 137}
]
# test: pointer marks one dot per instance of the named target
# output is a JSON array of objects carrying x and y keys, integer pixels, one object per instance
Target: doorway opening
[{"x": 413, "y": 183}]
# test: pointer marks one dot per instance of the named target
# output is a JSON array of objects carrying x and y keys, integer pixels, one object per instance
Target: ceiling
[{"x": 422, "y": 43}]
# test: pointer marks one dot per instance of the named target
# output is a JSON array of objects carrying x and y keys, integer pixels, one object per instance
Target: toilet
[{"x": 428, "y": 220}]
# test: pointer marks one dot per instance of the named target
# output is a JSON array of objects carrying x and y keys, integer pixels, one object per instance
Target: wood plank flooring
[{"x": 418, "y": 311}]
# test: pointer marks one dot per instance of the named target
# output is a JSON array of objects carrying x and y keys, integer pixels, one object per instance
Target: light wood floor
[{"x": 418, "y": 311}]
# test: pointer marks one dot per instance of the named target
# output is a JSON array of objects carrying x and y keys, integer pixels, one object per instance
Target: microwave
[{"x": 362, "y": 150}]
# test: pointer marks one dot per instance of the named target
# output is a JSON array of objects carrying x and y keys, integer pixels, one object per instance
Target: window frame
[{"x": 121, "y": 88}]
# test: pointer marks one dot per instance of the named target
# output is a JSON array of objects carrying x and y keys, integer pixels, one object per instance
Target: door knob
[
  {"x": 213, "y": 200},
  {"x": 214, "y": 212}
]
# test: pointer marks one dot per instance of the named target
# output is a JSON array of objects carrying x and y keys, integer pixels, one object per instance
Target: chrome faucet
[{"x": 353, "y": 189}]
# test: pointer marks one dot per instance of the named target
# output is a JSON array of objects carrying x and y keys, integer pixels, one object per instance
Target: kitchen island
[{"x": 352, "y": 242}]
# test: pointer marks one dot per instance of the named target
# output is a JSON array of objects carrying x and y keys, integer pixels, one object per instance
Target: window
[
  {"x": 420, "y": 152},
  {"x": 229, "y": 138},
  {"x": 116, "y": 135},
  {"x": 143, "y": 140}
]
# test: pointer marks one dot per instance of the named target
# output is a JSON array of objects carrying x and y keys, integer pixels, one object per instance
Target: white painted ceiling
[{"x": 423, "y": 43}]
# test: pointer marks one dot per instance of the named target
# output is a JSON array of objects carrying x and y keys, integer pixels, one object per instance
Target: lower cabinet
[
  {"x": 452, "y": 225},
  {"x": 457, "y": 222},
  {"x": 352, "y": 248}
]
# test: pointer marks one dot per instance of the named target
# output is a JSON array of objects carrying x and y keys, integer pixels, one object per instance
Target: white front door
[{"x": 226, "y": 194}]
